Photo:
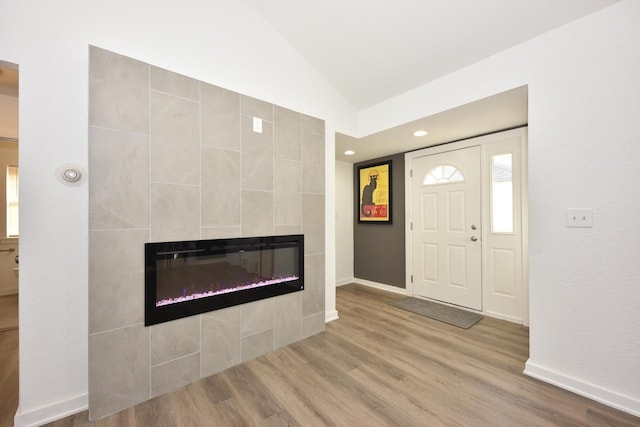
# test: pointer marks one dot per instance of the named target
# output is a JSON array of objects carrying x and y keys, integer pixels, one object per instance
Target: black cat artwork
[
  {"x": 374, "y": 184},
  {"x": 367, "y": 193}
]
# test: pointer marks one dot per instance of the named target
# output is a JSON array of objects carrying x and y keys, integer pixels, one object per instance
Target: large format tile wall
[{"x": 173, "y": 158}]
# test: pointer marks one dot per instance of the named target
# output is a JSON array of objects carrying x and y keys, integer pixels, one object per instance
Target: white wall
[
  {"x": 344, "y": 222},
  {"x": 584, "y": 105},
  {"x": 222, "y": 42}
]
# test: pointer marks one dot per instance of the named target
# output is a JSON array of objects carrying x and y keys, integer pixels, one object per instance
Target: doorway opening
[
  {"x": 466, "y": 240},
  {"x": 9, "y": 241}
]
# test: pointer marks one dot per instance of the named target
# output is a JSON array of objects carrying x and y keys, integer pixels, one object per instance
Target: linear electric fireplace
[{"x": 196, "y": 276}]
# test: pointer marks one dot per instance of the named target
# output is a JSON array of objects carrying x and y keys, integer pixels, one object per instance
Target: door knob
[
  {"x": 473, "y": 227},
  {"x": 474, "y": 238}
]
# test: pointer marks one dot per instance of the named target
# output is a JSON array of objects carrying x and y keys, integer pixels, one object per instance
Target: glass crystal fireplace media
[{"x": 192, "y": 277}]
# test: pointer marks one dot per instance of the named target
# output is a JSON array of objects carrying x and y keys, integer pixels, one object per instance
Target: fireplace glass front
[{"x": 192, "y": 277}]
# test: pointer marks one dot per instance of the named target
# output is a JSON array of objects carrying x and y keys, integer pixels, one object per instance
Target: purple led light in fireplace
[{"x": 226, "y": 291}]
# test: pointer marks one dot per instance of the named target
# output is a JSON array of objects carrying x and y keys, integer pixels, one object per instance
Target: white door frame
[{"x": 524, "y": 198}]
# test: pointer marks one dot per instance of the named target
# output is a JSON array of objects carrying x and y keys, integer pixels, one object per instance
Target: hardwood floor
[
  {"x": 8, "y": 376},
  {"x": 377, "y": 366},
  {"x": 8, "y": 312}
]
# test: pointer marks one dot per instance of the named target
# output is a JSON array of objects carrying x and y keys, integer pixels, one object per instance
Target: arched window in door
[{"x": 443, "y": 174}]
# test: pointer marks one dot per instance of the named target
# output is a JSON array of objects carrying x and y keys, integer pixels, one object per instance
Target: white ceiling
[
  {"x": 373, "y": 50},
  {"x": 499, "y": 112}
]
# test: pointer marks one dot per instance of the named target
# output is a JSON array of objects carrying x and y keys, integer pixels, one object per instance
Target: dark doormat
[{"x": 453, "y": 316}]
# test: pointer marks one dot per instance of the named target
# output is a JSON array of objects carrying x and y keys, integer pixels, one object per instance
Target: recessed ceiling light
[
  {"x": 420, "y": 133},
  {"x": 349, "y": 152}
]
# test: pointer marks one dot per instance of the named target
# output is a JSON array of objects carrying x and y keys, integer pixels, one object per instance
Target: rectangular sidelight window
[{"x": 502, "y": 193}]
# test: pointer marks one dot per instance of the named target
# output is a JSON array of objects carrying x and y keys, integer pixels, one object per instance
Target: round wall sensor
[{"x": 71, "y": 174}]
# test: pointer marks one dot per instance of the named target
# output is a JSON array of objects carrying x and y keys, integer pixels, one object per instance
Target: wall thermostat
[{"x": 70, "y": 174}]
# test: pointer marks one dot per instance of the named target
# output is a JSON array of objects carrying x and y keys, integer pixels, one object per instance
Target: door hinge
[
  {"x": 410, "y": 173},
  {"x": 412, "y": 278},
  {"x": 411, "y": 226}
]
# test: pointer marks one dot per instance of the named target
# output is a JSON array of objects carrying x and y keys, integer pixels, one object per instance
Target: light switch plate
[
  {"x": 580, "y": 217},
  {"x": 257, "y": 125}
]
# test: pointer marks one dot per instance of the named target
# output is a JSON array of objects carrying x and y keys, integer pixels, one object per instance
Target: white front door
[{"x": 446, "y": 237}]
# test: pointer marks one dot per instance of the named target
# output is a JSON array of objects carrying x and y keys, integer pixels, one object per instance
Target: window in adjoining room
[{"x": 12, "y": 201}]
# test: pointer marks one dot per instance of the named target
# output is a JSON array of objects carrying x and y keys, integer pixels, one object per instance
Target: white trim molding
[
  {"x": 330, "y": 316},
  {"x": 47, "y": 414},
  {"x": 381, "y": 286},
  {"x": 342, "y": 282},
  {"x": 611, "y": 398}
]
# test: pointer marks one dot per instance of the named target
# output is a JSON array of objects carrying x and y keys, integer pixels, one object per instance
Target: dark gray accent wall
[{"x": 379, "y": 248}]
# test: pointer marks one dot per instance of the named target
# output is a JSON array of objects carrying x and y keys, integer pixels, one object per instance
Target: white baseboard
[
  {"x": 342, "y": 282},
  {"x": 47, "y": 414},
  {"x": 503, "y": 317},
  {"x": 380, "y": 286},
  {"x": 330, "y": 316},
  {"x": 594, "y": 392}
]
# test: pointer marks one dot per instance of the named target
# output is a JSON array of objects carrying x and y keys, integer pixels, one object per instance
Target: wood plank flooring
[
  {"x": 8, "y": 376},
  {"x": 8, "y": 312},
  {"x": 377, "y": 366}
]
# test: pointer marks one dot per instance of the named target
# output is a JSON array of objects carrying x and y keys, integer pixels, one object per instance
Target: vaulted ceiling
[{"x": 373, "y": 50}]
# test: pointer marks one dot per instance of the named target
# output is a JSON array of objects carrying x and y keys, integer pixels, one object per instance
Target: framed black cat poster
[{"x": 374, "y": 184}]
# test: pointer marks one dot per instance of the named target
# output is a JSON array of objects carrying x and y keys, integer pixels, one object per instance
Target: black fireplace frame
[{"x": 159, "y": 314}]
